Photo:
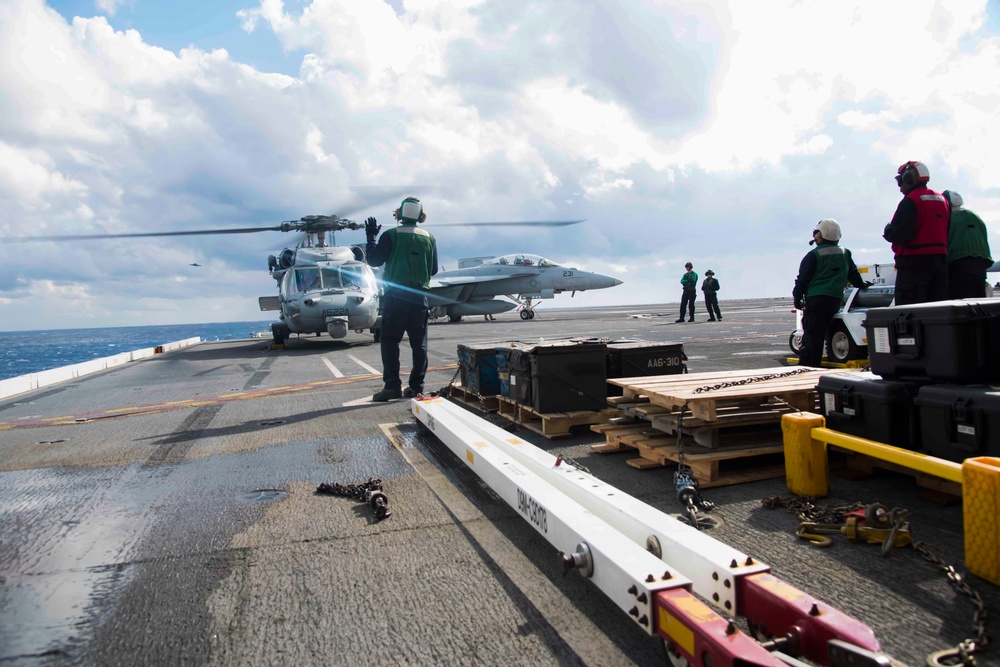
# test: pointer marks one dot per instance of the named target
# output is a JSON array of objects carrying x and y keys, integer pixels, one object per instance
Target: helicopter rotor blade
[
  {"x": 91, "y": 237},
  {"x": 526, "y": 223}
]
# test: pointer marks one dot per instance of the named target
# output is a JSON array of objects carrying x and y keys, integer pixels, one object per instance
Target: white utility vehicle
[{"x": 846, "y": 338}]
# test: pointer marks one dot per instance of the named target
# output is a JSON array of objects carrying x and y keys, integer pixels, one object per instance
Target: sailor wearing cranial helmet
[{"x": 409, "y": 254}]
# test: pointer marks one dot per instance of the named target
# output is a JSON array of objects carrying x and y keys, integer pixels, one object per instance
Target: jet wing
[{"x": 468, "y": 280}]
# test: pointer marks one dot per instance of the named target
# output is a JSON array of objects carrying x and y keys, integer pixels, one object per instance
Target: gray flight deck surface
[{"x": 164, "y": 513}]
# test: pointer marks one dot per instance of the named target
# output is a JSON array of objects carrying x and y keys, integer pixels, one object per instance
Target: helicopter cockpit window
[
  {"x": 307, "y": 280},
  {"x": 350, "y": 278}
]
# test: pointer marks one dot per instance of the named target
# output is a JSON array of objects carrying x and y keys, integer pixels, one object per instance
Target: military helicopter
[{"x": 321, "y": 287}]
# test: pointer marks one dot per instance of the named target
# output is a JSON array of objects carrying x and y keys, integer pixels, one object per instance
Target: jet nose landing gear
[{"x": 527, "y": 314}]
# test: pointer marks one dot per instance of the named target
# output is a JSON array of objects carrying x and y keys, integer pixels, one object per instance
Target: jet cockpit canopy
[{"x": 523, "y": 259}]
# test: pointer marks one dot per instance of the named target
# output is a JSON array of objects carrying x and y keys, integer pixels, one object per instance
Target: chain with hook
[
  {"x": 369, "y": 492},
  {"x": 685, "y": 482},
  {"x": 877, "y": 514}
]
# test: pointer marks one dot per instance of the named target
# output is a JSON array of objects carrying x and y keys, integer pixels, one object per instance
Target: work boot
[
  {"x": 387, "y": 395},
  {"x": 711, "y": 319},
  {"x": 680, "y": 320},
  {"x": 410, "y": 392},
  {"x": 690, "y": 320}
]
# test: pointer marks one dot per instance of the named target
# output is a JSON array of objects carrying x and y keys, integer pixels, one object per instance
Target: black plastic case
[
  {"x": 640, "y": 358},
  {"x": 958, "y": 422},
  {"x": 569, "y": 376},
  {"x": 943, "y": 341},
  {"x": 869, "y": 407}
]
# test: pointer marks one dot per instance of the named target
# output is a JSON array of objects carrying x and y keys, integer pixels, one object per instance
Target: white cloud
[{"x": 717, "y": 132}]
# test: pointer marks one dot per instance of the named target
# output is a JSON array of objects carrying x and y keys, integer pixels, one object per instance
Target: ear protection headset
[
  {"x": 911, "y": 173},
  {"x": 410, "y": 210}
]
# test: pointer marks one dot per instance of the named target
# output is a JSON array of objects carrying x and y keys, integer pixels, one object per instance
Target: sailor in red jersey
[{"x": 919, "y": 237}]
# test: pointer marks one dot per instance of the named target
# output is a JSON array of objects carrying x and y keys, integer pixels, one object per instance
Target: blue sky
[{"x": 718, "y": 133}]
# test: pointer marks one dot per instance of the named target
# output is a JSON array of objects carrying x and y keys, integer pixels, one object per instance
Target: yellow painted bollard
[
  {"x": 807, "y": 469},
  {"x": 981, "y": 512}
]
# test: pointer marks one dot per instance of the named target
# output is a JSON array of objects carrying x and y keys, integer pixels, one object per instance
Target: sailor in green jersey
[
  {"x": 819, "y": 288},
  {"x": 409, "y": 255},
  {"x": 968, "y": 251},
  {"x": 689, "y": 285}
]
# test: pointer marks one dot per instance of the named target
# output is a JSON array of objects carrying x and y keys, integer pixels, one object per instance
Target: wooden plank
[
  {"x": 473, "y": 400},
  {"x": 553, "y": 425}
]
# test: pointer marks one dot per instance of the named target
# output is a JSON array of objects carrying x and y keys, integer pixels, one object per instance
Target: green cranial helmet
[{"x": 410, "y": 210}]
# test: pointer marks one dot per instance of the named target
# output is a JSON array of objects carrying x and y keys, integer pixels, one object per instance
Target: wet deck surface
[{"x": 138, "y": 528}]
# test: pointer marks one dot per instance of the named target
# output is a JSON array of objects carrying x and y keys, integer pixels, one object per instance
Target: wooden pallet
[
  {"x": 731, "y": 464},
  {"x": 694, "y": 390},
  {"x": 552, "y": 425},
  {"x": 474, "y": 400}
]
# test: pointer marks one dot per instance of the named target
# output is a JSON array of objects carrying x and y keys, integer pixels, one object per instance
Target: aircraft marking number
[{"x": 330, "y": 312}]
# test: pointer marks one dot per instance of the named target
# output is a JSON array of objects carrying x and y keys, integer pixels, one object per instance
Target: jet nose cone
[{"x": 599, "y": 281}]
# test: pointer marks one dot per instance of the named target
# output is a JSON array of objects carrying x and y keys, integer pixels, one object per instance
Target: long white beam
[
  {"x": 711, "y": 565},
  {"x": 628, "y": 574}
]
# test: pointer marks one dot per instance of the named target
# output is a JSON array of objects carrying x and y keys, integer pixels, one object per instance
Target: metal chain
[
  {"x": 445, "y": 391},
  {"x": 685, "y": 483},
  {"x": 804, "y": 508},
  {"x": 964, "y": 649},
  {"x": 369, "y": 492},
  {"x": 751, "y": 380},
  {"x": 807, "y": 510}
]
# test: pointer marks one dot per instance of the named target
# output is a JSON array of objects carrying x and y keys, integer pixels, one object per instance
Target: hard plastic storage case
[
  {"x": 942, "y": 341},
  {"x": 959, "y": 422},
  {"x": 866, "y": 406},
  {"x": 568, "y": 376},
  {"x": 478, "y": 365},
  {"x": 640, "y": 358}
]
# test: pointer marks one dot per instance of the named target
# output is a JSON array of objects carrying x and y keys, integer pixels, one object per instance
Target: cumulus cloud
[{"x": 678, "y": 130}]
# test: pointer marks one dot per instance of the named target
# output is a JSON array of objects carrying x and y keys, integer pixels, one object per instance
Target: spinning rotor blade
[
  {"x": 89, "y": 237},
  {"x": 528, "y": 223}
]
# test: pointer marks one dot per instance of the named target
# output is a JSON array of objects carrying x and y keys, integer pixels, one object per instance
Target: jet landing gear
[{"x": 527, "y": 312}]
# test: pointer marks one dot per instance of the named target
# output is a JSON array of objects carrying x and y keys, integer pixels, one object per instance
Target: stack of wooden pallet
[
  {"x": 719, "y": 420},
  {"x": 552, "y": 425}
]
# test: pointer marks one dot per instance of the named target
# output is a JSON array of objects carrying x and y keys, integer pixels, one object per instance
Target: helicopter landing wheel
[{"x": 377, "y": 334}]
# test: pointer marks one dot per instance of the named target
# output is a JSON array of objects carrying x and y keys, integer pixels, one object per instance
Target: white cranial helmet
[
  {"x": 828, "y": 229},
  {"x": 955, "y": 199}
]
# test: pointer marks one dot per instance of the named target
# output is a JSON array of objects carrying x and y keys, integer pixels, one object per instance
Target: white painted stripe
[
  {"x": 359, "y": 401},
  {"x": 364, "y": 365},
  {"x": 333, "y": 369}
]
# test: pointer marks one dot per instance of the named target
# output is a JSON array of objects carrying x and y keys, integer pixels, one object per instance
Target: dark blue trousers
[
  {"x": 816, "y": 318},
  {"x": 404, "y": 317}
]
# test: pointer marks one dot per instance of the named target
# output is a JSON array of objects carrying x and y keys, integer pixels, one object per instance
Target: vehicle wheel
[
  {"x": 531, "y": 314},
  {"x": 795, "y": 342},
  {"x": 279, "y": 340},
  {"x": 454, "y": 318},
  {"x": 377, "y": 333},
  {"x": 525, "y": 314},
  {"x": 840, "y": 346}
]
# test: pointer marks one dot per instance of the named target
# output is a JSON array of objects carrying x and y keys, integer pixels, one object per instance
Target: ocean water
[{"x": 24, "y": 352}]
